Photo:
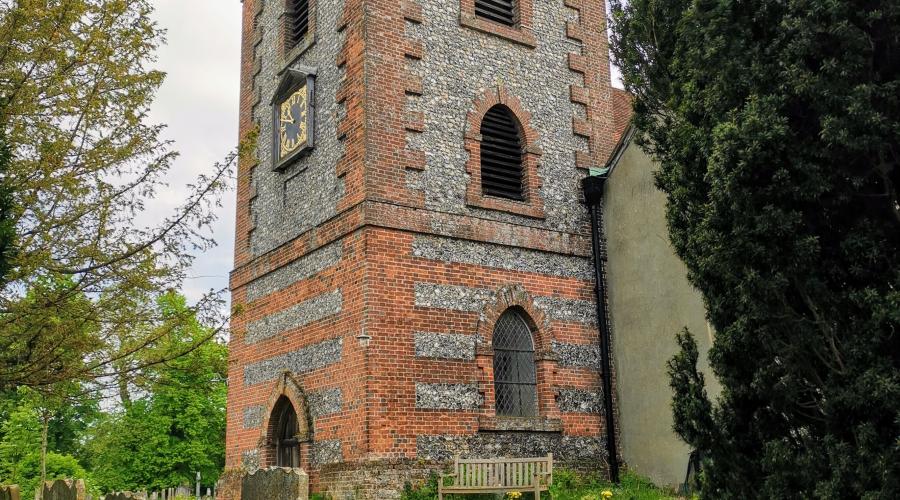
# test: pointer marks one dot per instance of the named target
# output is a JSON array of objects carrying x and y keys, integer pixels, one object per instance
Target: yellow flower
[
  {"x": 606, "y": 494},
  {"x": 514, "y": 494}
]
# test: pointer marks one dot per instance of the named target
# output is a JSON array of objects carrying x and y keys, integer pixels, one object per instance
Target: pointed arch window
[
  {"x": 501, "y": 154},
  {"x": 286, "y": 428},
  {"x": 515, "y": 374}
]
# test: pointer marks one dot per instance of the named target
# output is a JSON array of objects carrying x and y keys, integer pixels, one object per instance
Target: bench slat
[
  {"x": 500, "y": 460},
  {"x": 499, "y": 475}
]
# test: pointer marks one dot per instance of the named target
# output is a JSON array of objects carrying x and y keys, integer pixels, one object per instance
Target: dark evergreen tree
[
  {"x": 7, "y": 221},
  {"x": 777, "y": 128}
]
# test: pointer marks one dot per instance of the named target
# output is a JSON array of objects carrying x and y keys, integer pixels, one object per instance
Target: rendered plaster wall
[{"x": 650, "y": 300}]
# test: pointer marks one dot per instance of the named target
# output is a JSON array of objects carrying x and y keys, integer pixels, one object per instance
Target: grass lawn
[{"x": 570, "y": 486}]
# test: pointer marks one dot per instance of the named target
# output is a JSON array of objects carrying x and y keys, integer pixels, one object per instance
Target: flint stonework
[
  {"x": 445, "y": 346},
  {"x": 579, "y": 311},
  {"x": 304, "y": 313},
  {"x": 456, "y": 298},
  {"x": 448, "y": 396},
  {"x": 571, "y": 449},
  {"x": 300, "y": 269},
  {"x": 326, "y": 452},
  {"x": 250, "y": 460},
  {"x": 459, "y": 65},
  {"x": 577, "y": 355},
  {"x": 306, "y": 193},
  {"x": 501, "y": 257},
  {"x": 302, "y": 360},
  {"x": 253, "y": 416},
  {"x": 571, "y": 400},
  {"x": 325, "y": 402},
  {"x": 275, "y": 483}
]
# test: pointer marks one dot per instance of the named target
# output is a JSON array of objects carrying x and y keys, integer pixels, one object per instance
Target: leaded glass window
[{"x": 515, "y": 376}]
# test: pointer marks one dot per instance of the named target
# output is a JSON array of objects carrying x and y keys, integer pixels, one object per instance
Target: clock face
[{"x": 293, "y": 121}]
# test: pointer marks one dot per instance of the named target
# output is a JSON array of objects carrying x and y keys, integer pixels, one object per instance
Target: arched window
[
  {"x": 499, "y": 11},
  {"x": 296, "y": 22},
  {"x": 515, "y": 376},
  {"x": 287, "y": 445},
  {"x": 501, "y": 154}
]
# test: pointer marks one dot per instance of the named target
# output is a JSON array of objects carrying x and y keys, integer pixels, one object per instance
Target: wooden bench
[{"x": 499, "y": 475}]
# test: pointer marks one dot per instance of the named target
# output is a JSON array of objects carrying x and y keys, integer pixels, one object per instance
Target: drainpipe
[{"x": 593, "y": 195}]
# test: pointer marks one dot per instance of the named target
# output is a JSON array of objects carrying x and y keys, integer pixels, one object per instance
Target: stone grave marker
[
  {"x": 10, "y": 492},
  {"x": 276, "y": 483},
  {"x": 64, "y": 489}
]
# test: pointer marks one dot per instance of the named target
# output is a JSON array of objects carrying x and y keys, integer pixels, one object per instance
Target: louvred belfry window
[
  {"x": 297, "y": 22},
  {"x": 501, "y": 154},
  {"x": 515, "y": 375},
  {"x": 500, "y": 11}
]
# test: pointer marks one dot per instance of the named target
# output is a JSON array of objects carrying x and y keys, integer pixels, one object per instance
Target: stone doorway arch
[{"x": 287, "y": 426}]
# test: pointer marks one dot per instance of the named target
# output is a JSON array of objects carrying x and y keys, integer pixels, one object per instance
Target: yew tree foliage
[
  {"x": 85, "y": 164},
  {"x": 777, "y": 128}
]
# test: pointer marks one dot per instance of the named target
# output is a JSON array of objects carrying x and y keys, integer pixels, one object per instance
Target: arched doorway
[{"x": 285, "y": 436}]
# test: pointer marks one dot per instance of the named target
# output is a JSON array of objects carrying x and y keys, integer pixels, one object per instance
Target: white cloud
[{"x": 199, "y": 103}]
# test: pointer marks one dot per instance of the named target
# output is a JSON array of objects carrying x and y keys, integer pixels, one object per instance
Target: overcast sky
[{"x": 199, "y": 102}]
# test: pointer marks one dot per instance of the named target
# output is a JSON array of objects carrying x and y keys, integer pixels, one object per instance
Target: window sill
[
  {"x": 526, "y": 424},
  {"x": 292, "y": 55},
  {"x": 520, "y": 35},
  {"x": 505, "y": 205}
]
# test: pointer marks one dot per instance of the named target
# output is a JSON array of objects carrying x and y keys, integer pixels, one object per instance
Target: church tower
[{"x": 413, "y": 276}]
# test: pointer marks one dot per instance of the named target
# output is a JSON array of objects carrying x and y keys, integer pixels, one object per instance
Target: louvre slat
[
  {"x": 501, "y": 155},
  {"x": 297, "y": 22},
  {"x": 501, "y": 11}
]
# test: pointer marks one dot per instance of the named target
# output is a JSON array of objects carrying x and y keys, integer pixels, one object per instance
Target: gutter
[{"x": 593, "y": 195}]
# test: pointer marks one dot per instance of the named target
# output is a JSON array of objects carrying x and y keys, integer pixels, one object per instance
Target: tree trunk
[
  {"x": 124, "y": 393},
  {"x": 45, "y": 425}
]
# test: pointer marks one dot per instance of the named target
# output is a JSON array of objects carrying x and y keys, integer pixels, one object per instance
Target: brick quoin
[{"x": 369, "y": 274}]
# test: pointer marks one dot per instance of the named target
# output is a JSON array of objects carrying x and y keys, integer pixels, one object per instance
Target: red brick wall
[
  {"x": 392, "y": 320},
  {"x": 376, "y": 221}
]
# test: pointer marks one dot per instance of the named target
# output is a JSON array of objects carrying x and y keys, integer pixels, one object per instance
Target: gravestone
[
  {"x": 126, "y": 495},
  {"x": 275, "y": 483},
  {"x": 64, "y": 489},
  {"x": 10, "y": 492}
]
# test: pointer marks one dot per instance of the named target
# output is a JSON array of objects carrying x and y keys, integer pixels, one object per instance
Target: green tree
[
  {"x": 85, "y": 164},
  {"x": 175, "y": 426},
  {"x": 22, "y": 460},
  {"x": 777, "y": 128}
]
